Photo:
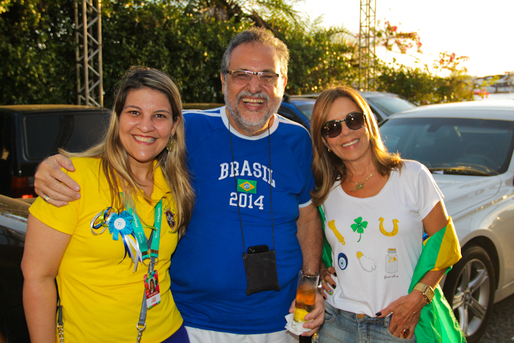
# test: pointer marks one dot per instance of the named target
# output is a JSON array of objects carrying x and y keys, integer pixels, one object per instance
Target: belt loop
[{"x": 387, "y": 320}]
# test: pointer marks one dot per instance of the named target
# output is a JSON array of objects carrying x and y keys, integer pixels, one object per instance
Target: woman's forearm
[
  {"x": 40, "y": 303},
  {"x": 44, "y": 250},
  {"x": 433, "y": 277}
]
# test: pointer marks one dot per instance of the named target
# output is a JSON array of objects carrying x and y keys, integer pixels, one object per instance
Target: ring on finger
[
  {"x": 406, "y": 333},
  {"x": 46, "y": 197}
]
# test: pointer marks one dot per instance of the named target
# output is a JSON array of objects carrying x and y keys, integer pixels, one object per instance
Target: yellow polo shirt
[{"x": 100, "y": 294}]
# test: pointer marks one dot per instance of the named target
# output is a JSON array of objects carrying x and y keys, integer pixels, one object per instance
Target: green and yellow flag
[
  {"x": 437, "y": 322},
  {"x": 247, "y": 186}
]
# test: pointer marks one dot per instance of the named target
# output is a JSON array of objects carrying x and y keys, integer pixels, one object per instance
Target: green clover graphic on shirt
[{"x": 359, "y": 227}]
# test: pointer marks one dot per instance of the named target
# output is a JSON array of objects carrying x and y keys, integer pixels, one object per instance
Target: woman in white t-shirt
[{"x": 377, "y": 207}]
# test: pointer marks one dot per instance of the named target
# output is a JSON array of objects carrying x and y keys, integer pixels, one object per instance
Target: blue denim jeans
[{"x": 341, "y": 326}]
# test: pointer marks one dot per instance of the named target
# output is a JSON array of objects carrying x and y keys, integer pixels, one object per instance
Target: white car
[{"x": 468, "y": 147}]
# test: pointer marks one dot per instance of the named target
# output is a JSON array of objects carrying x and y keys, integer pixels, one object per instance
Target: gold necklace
[{"x": 360, "y": 185}]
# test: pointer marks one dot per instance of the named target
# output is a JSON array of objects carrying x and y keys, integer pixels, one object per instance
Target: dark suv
[{"x": 30, "y": 133}]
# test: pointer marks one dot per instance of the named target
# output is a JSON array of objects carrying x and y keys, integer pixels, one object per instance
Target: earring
[
  {"x": 171, "y": 144},
  {"x": 329, "y": 150}
]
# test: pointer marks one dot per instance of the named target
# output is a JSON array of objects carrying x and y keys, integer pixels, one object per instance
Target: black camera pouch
[{"x": 261, "y": 272}]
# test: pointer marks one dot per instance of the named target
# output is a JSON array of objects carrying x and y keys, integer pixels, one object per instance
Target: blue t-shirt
[{"x": 207, "y": 270}]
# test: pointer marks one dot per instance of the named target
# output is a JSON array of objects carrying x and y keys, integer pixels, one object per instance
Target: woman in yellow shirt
[{"x": 106, "y": 247}]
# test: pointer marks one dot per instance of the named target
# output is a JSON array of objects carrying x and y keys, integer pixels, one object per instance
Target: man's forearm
[{"x": 310, "y": 236}]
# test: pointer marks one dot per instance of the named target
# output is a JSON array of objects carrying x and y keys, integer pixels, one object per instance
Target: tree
[
  {"x": 259, "y": 12},
  {"x": 159, "y": 34},
  {"x": 320, "y": 59},
  {"x": 38, "y": 52},
  {"x": 421, "y": 84},
  {"x": 3, "y": 5},
  {"x": 186, "y": 39}
]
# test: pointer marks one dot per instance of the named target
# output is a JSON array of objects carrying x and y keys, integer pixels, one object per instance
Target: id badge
[{"x": 153, "y": 296}]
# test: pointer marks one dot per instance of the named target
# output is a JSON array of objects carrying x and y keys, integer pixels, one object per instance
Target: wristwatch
[{"x": 426, "y": 290}]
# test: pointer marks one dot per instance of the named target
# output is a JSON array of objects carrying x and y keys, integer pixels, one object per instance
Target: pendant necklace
[{"x": 360, "y": 185}]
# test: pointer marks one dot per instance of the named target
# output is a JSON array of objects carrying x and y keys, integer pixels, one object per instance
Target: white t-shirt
[{"x": 376, "y": 241}]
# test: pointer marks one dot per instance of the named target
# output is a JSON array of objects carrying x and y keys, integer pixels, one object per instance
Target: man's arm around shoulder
[{"x": 55, "y": 185}]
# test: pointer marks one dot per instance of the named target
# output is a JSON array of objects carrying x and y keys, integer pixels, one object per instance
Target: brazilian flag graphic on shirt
[{"x": 246, "y": 186}]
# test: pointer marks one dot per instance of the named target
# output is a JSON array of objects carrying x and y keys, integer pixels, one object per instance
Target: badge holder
[
  {"x": 153, "y": 296},
  {"x": 261, "y": 272}
]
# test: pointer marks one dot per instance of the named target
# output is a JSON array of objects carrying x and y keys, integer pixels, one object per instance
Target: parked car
[
  {"x": 382, "y": 104},
  {"x": 298, "y": 109},
  {"x": 30, "y": 133},
  {"x": 13, "y": 226},
  {"x": 468, "y": 147}
]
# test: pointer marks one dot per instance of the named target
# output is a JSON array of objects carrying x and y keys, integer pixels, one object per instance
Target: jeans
[{"x": 341, "y": 326}]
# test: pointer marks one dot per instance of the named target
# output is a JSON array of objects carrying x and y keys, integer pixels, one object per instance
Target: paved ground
[{"x": 501, "y": 323}]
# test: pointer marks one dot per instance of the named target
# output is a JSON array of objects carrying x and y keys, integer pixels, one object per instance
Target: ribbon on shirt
[{"x": 127, "y": 225}]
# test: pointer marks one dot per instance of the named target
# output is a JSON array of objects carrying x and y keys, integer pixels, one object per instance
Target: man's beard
[{"x": 252, "y": 125}]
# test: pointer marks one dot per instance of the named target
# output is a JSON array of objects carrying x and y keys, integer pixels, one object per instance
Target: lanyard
[
  {"x": 155, "y": 238},
  {"x": 140, "y": 234},
  {"x": 237, "y": 192},
  {"x": 154, "y": 253}
]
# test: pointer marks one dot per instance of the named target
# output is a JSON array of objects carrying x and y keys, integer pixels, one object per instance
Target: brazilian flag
[
  {"x": 326, "y": 257},
  {"x": 247, "y": 186},
  {"x": 437, "y": 322}
]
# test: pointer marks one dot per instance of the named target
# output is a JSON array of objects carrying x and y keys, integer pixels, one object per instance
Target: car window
[
  {"x": 390, "y": 105},
  {"x": 74, "y": 132},
  {"x": 304, "y": 105},
  {"x": 306, "y": 109},
  {"x": 446, "y": 144}
]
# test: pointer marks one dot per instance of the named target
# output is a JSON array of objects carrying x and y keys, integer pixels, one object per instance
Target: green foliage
[
  {"x": 320, "y": 59},
  {"x": 420, "y": 84},
  {"x": 3, "y": 5},
  {"x": 423, "y": 86},
  {"x": 38, "y": 52},
  {"x": 159, "y": 35},
  {"x": 186, "y": 39}
]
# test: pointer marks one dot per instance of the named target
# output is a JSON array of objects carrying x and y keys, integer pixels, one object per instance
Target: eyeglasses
[
  {"x": 354, "y": 121},
  {"x": 242, "y": 77}
]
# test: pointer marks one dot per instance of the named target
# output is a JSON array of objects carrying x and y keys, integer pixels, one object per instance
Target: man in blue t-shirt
[{"x": 251, "y": 172}]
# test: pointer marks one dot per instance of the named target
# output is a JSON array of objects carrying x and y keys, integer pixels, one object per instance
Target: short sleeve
[
  {"x": 429, "y": 193},
  {"x": 63, "y": 219}
]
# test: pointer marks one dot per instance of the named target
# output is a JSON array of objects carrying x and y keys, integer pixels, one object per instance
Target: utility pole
[
  {"x": 367, "y": 29},
  {"x": 88, "y": 37}
]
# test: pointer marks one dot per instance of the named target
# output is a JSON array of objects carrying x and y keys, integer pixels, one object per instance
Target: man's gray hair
[{"x": 257, "y": 35}]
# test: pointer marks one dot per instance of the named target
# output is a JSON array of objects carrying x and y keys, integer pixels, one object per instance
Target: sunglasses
[{"x": 354, "y": 121}]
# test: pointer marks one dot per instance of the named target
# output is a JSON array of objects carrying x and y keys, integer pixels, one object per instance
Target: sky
[{"x": 481, "y": 30}]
